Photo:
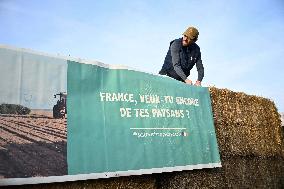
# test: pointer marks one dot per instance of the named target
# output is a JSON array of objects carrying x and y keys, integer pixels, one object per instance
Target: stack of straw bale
[
  {"x": 250, "y": 141},
  {"x": 251, "y": 145},
  {"x": 246, "y": 125}
]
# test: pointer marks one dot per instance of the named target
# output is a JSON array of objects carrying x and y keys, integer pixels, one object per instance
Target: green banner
[
  {"x": 66, "y": 119},
  {"x": 123, "y": 120}
]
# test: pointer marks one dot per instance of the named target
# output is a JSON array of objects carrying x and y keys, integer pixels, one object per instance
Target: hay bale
[
  {"x": 205, "y": 178},
  {"x": 246, "y": 124},
  {"x": 237, "y": 172},
  {"x": 256, "y": 172}
]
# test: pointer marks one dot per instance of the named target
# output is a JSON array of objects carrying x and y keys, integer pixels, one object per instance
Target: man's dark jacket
[{"x": 180, "y": 60}]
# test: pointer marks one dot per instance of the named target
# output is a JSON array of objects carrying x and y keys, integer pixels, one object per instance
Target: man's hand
[
  {"x": 188, "y": 81},
  {"x": 197, "y": 83}
]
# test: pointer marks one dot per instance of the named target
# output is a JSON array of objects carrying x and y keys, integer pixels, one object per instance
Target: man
[{"x": 182, "y": 55}]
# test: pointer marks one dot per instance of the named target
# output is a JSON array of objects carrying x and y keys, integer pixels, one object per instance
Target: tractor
[{"x": 60, "y": 109}]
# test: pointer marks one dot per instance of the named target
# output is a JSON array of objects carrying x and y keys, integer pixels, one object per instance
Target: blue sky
[{"x": 241, "y": 41}]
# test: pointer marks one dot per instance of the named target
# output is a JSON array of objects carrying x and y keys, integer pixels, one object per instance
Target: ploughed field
[{"x": 32, "y": 145}]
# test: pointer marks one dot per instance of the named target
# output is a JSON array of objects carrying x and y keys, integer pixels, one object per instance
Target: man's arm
[
  {"x": 175, "y": 48},
  {"x": 200, "y": 69}
]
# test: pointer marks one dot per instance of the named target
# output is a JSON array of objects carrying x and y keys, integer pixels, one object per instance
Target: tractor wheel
[
  {"x": 56, "y": 112},
  {"x": 61, "y": 113}
]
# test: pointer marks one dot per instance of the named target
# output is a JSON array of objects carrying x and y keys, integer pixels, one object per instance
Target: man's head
[{"x": 190, "y": 36}]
